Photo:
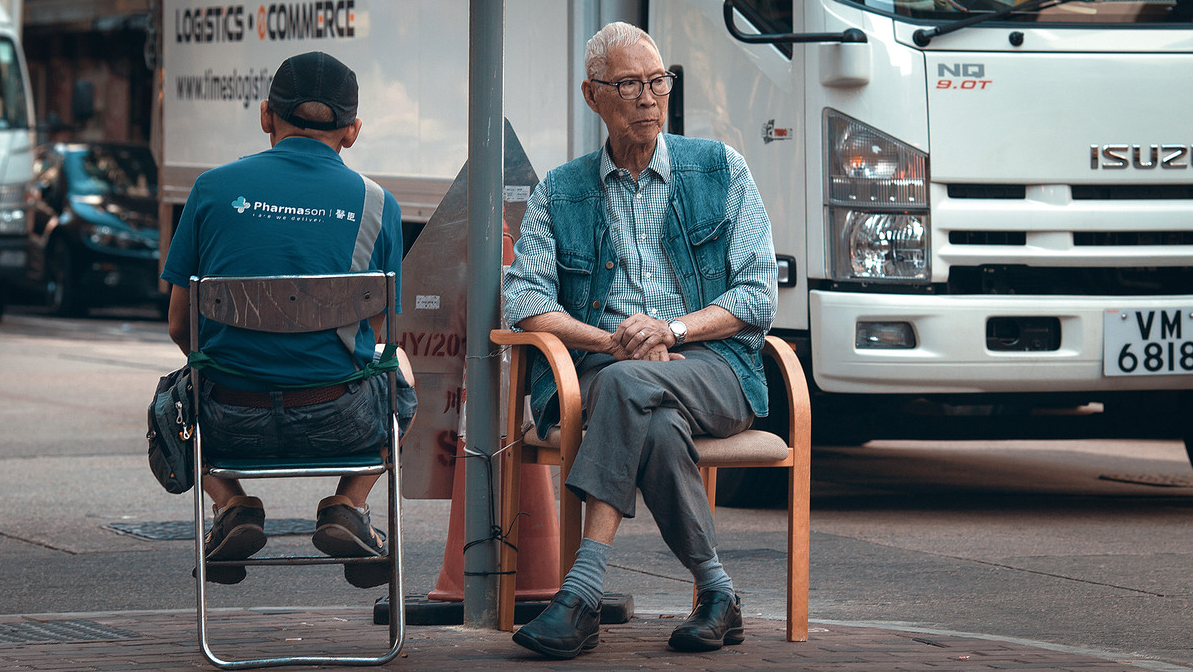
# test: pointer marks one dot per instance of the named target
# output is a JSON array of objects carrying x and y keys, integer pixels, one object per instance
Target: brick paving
[{"x": 166, "y": 642}]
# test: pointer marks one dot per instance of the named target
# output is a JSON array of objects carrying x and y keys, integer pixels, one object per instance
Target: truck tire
[{"x": 752, "y": 488}]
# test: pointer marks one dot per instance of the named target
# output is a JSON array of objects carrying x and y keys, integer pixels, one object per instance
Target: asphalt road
[{"x": 1084, "y": 544}]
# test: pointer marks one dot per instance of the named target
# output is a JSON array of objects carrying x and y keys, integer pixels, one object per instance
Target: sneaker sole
[
  {"x": 224, "y": 575},
  {"x": 367, "y": 576},
  {"x": 242, "y": 542},
  {"x": 337, "y": 540}
]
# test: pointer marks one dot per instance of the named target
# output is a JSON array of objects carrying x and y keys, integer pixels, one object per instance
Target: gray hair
[{"x": 618, "y": 34}]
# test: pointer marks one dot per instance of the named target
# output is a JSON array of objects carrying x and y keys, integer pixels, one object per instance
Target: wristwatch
[{"x": 679, "y": 330}]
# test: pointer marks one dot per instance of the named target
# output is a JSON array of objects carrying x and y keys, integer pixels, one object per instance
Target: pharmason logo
[{"x": 241, "y": 205}]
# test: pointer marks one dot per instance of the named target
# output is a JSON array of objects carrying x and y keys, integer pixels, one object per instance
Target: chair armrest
[
  {"x": 564, "y": 370},
  {"x": 799, "y": 405}
]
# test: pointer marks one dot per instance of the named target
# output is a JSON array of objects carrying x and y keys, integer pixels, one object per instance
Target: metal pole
[{"x": 486, "y": 23}]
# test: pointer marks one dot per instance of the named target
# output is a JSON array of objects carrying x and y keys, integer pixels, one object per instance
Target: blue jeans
[{"x": 353, "y": 424}]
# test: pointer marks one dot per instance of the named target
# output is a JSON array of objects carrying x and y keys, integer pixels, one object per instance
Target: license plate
[{"x": 1147, "y": 342}]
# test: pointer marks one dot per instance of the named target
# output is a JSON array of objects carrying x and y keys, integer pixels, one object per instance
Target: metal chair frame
[
  {"x": 295, "y": 304},
  {"x": 562, "y": 442}
]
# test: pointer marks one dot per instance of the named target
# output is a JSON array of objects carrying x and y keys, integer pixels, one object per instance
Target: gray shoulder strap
[
  {"x": 366, "y": 240},
  {"x": 370, "y": 225}
]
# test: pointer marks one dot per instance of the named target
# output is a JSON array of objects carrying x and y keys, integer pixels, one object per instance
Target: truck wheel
[
  {"x": 752, "y": 488},
  {"x": 63, "y": 285}
]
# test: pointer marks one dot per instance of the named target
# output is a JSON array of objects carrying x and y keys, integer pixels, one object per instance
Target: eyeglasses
[{"x": 631, "y": 89}]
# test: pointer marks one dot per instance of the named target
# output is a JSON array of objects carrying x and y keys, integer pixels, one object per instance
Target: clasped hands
[{"x": 640, "y": 336}]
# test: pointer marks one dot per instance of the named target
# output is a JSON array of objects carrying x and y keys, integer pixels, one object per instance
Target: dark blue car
[{"x": 93, "y": 235}]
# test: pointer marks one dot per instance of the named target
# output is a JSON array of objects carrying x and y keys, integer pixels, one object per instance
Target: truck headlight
[
  {"x": 12, "y": 222},
  {"x": 12, "y": 209},
  {"x": 877, "y": 190},
  {"x": 880, "y": 245}
]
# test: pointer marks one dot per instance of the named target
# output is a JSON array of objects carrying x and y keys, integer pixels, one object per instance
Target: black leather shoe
[
  {"x": 716, "y": 620},
  {"x": 564, "y": 629}
]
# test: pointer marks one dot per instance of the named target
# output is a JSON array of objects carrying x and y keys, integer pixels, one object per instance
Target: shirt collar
[
  {"x": 301, "y": 145},
  {"x": 660, "y": 163}
]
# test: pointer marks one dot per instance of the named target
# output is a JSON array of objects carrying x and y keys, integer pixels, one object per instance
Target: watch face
[{"x": 679, "y": 330}]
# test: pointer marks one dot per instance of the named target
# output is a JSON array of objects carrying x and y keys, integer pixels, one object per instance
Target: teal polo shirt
[{"x": 291, "y": 210}]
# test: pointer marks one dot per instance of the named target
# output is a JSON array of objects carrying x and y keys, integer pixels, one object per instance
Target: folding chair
[
  {"x": 751, "y": 448},
  {"x": 295, "y": 304}
]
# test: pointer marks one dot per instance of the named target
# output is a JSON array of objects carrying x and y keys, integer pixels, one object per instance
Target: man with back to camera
[
  {"x": 653, "y": 258},
  {"x": 294, "y": 209}
]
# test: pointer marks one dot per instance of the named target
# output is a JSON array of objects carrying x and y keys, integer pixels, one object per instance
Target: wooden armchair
[{"x": 751, "y": 448}]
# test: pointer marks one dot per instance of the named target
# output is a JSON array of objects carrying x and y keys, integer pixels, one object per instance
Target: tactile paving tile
[
  {"x": 77, "y": 630},
  {"x": 177, "y": 530}
]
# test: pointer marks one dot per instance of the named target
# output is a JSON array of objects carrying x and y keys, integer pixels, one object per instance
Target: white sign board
[{"x": 411, "y": 62}]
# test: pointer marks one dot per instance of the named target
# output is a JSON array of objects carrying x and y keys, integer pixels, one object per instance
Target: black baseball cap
[{"x": 314, "y": 77}]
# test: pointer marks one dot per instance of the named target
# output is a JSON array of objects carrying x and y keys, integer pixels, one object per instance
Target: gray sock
[
  {"x": 587, "y": 577},
  {"x": 710, "y": 575}
]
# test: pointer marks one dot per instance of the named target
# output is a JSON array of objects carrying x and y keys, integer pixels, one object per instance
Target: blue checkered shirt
[{"x": 645, "y": 281}]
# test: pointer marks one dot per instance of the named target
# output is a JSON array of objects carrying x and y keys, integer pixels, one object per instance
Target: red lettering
[
  {"x": 415, "y": 341},
  {"x": 446, "y": 442}
]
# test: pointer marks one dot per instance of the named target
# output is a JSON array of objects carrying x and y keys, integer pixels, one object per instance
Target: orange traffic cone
[{"x": 538, "y": 538}]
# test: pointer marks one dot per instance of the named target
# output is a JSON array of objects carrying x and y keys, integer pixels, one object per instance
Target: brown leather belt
[{"x": 290, "y": 398}]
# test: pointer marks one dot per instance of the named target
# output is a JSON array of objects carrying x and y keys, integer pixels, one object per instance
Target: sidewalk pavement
[{"x": 165, "y": 641}]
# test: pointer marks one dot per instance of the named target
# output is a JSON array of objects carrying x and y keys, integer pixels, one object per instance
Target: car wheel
[{"x": 63, "y": 283}]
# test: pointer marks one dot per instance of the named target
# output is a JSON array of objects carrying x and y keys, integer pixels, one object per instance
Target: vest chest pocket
[
  {"x": 575, "y": 280},
  {"x": 710, "y": 247}
]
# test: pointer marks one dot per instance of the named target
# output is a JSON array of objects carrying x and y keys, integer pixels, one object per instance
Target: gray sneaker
[{"x": 343, "y": 531}]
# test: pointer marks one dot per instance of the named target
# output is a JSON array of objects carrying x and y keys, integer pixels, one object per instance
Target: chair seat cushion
[{"x": 752, "y": 445}]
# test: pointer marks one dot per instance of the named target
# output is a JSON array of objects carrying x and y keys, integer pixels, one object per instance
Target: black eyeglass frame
[{"x": 670, "y": 77}]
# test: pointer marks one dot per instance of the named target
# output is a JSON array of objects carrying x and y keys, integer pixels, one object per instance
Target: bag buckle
[{"x": 186, "y": 432}]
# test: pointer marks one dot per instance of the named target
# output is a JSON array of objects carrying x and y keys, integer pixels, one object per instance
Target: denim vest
[{"x": 696, "y": 243}]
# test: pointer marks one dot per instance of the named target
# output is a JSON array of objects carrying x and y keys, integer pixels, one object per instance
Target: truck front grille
[
  {"x": 1131, "y": 238},
  {"x": 1027, "y": 280},
  {"x": 1080, "y": 192},
  {"x": 1131, "y": 192}
]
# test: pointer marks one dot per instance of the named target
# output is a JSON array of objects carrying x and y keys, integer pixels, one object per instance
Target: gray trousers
[{"x": 641, "y": 417}]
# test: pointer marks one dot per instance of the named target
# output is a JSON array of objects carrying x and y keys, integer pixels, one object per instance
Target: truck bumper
[{"x": 951, "y": 354}]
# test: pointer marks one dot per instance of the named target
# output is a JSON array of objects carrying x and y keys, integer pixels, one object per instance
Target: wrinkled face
[{"x": 629, "y": 121}]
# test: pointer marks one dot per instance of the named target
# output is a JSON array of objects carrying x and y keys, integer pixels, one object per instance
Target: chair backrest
[{"x": 294, "y": 303}]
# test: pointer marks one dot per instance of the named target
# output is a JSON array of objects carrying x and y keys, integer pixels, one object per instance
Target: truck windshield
[
  {"x": 1084, "y": 12},
  {"x": 13, "y": 106}
]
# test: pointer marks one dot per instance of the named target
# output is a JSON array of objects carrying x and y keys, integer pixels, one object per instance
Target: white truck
[
  {"x": 16, "y": 155},
  {"x": 983, "y": 213},
  {"x": 984, "y": 219}
]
